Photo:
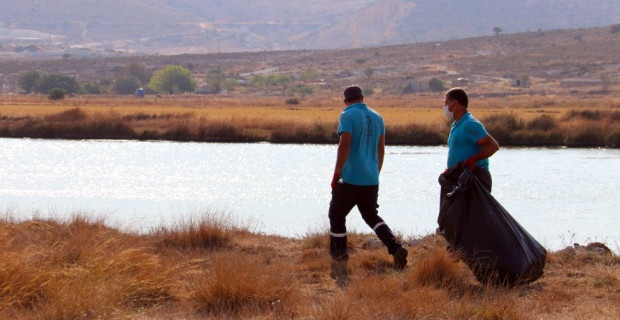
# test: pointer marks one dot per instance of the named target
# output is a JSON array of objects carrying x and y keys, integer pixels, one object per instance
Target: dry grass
[
  {"x": 410, "y": 120},
  {"x": 207, "y": 268}
]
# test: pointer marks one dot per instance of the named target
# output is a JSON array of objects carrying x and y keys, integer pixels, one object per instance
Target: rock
[
  {"x": 595, "y": 247},
  {"x": 598, "y": 247},
  {"x": 372, "y": 243},
  {"x": 413, "y": 242}
]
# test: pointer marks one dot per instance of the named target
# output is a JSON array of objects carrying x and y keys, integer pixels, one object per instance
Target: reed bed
[
  {"x": 415, "y": 120},
  {"x": 206, "y": 268}
]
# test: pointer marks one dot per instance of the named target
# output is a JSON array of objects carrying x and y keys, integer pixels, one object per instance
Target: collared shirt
[
  {"x": 366, "y": 127},
  {"x": 462, "y": 140}
]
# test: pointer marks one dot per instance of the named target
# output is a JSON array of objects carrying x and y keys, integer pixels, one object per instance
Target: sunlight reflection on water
[{"x": 559, "y": 195}]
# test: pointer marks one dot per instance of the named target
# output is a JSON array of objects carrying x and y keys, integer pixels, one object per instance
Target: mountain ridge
[{"x": 177, "y": 26}]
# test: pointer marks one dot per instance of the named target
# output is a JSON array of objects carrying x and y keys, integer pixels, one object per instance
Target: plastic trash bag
[{"x": 491, "y": 242}]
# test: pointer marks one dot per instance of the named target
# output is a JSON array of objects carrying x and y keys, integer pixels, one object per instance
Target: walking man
[
  {"x": 356, "y": 179},
  {"x": 468, "y": 141}
]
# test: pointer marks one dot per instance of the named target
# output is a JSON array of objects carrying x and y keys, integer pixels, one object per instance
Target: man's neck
[{"x": 459, "y": 113}]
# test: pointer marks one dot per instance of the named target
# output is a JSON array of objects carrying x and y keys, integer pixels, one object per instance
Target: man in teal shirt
[
  {"x": 356, "y": 179},
  {"x": 469, "y": 141}
]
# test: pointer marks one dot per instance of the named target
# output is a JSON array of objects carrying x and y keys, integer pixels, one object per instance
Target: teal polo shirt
[
  {"x": 462, "y": 140},
  {"x": 366, "y": 127}
]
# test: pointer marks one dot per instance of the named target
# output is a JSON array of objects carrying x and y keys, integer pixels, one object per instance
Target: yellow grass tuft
[
  {"x": 439, "y": 268},
  {"x": 244, "y": 284},
  {"x": 207, "y": 232}
]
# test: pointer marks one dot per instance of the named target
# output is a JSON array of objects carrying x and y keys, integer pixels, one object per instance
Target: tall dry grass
[
  {"x": 207, "y": 267},
  {"x": 514, "y": 121},
  {"x": 586, "y": 128},
  {"x": 241, "y": 284},
  {"x": 78, "y": 269}
]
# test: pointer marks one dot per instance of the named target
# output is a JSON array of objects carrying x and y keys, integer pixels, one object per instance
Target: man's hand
[
  {"x": 335, "y": 180},
  {"x": 470, "y": 162}
]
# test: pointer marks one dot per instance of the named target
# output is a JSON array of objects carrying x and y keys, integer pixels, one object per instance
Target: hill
[
  {"x": 192, "y": 26},
  {"x": 575, "y": 60}
]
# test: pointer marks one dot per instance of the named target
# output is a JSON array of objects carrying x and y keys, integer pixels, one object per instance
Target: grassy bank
[
  {"x": 207, "y": 268},
  {"x": 410, "y": 120}
]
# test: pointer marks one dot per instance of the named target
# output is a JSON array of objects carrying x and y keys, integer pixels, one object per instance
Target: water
[{"x": 560, "y": 196}]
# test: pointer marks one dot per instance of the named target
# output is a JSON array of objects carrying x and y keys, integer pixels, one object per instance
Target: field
[
  {"x": 207, "y": 268},
  {"x": 415, "y": 119}
]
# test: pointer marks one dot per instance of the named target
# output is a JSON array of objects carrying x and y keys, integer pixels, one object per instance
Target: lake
[{"x": 559, "y": 195}]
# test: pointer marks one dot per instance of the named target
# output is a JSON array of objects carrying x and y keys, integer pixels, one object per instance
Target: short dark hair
[
  {"x": 353, "y": 93},
  {"x": 459, "y": 95}
]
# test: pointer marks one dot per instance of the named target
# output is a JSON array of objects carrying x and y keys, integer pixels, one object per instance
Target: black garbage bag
[{"x": 491, "y": 242}]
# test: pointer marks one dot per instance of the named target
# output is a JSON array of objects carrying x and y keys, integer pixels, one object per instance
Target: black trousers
[{"x": 344, "y": 198}]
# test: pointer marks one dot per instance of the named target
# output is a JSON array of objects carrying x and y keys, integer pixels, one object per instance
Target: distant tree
[
  {"x": 105, "y": 82},
  {"x": 258, "y": 81},
  {"x": 51, "y": 81},
  {"x": 66, "y": 56},
  {"x": 56, "y": 94},
  {"x": 126, "y": 85},
  {"x": 300, "y": 89},
  {"x": 615, "y": 28},
  {"x": 173, "y": 79},
  {"x": 137, "y": 70},
  {"x": 360, "y": 60},
  {"x": 278, "y": 79},
  {"x": 308, "y": 74},
  {"x": 436, "y": 85},
  {"x": 497, "y": 30},
  {"x": 27, "y": 80},
  {"x": 369, "y": 72},
  {"x": 229, "y": 84},
  {"x": 93, "y": 88},
  {"x": 214, "y": 79}
]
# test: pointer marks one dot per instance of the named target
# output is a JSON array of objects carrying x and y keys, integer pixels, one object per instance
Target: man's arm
[
  {"x": 344, "y": 146},
  {"x": 488, "y": 147},
  {"x": 381, "y": 151}
]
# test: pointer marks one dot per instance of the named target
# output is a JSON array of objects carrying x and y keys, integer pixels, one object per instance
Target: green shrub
[
  {"x": 53, "y": 81},
  {"x": 93, "y": 88},
  {"x": 126, "y": 85},
  {"x": 292, "y": 101},
  {"x": 56, "y": 94},
  {"x": 436, "y": 85},
  {"x": 173, "y": 79}
]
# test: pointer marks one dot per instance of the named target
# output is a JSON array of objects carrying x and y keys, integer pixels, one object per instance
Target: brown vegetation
[
  {"x": 206, "y": 268},
  {"x": 410, "y": 120}
]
